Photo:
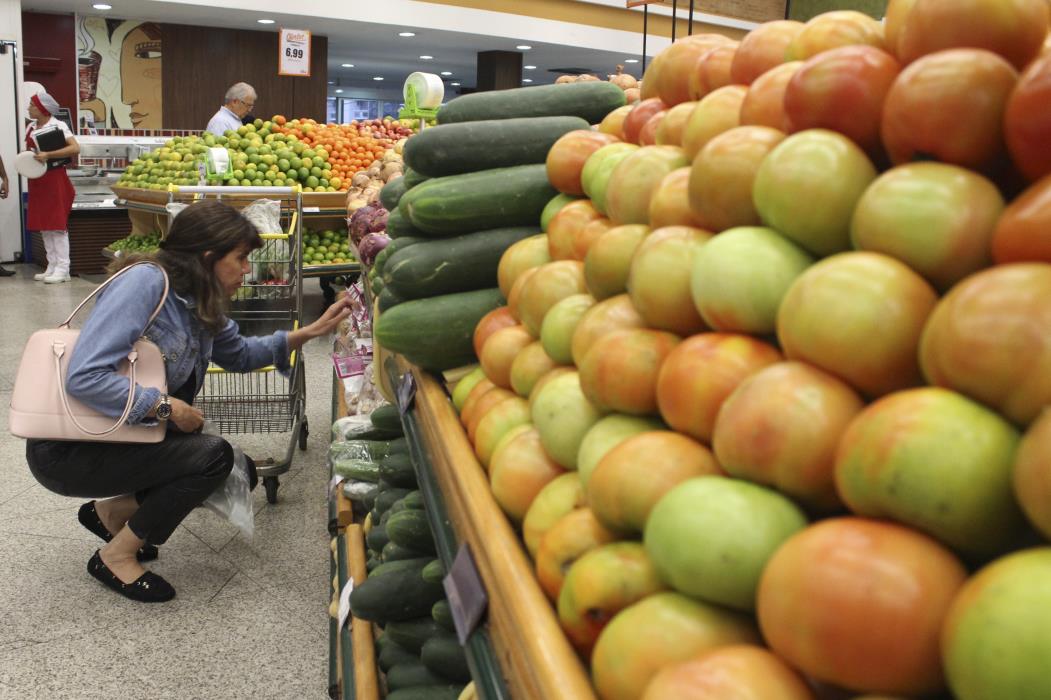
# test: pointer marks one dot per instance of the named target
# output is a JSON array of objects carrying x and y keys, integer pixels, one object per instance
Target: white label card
[
  {"x": 344, "y": 602},
  {"x": 293, "y": 53}
]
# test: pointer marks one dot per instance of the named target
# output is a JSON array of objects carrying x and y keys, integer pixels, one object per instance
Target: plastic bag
[
  {"x": 175, "y": 208},
  {"x": 265, "y": 215},
  {"x": 349, "y": 427},
  {"x": 233, "y": 500},
  {"x": 359, "y": 490}
]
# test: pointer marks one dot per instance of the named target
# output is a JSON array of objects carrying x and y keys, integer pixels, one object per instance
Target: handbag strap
[
  {"x": 59, "y": 350},
  {"x": 156, "y": 312}
]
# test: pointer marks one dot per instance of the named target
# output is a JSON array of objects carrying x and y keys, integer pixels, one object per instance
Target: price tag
[
  {"x": 311, "y": 210},
  {"x": 293, "y": 53},
  {"x": 344, "y": 602},
  {"x": 333, "y": 485},
  {"x": 466, "y": 592},
  {"x": 406, "y": 393}
]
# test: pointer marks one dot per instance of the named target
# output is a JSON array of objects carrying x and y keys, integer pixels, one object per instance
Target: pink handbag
[{"x": 40, "y": 408}]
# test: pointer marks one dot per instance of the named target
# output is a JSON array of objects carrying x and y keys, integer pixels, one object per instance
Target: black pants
[{"x": 169, "y": 478}]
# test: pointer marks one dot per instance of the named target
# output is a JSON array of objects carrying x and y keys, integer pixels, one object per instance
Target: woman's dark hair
[{"x": 199, "y": 236}]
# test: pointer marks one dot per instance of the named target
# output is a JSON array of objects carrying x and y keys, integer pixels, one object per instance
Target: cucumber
[
  {"x": 398, "y": 470},
  {"x": 373, "y": 563},
  {"x": 395, "y": 595},
  {"x": 436, "y": 333},
  {"x": 398, "y": 507},
  {"x": 357, "y": 469},
  {"x": 377, "y": 538},
  {"x": 400, "y": 446},
  {"x": 413, "y": 178},
  {"x": 414, "y": 500},
  {"x": 398, "y": 226},
  {"x": 388, "y": 498},
  {"x": 386, "y": 417},
  {"x": 414, "y": 566},
  {"x": 428, "y": 692},
  {"x": 591, "y": 101},
  {"x": 488, "y": 199},
  {"x": 392, "y": 192},
  {"x": 395, "y": 552},
  {"x": 410, "y": 528},
  {"x": 377, "y": 287},
  {"x": 442, "y": 613},
  {"x": 384, "y": 517},
  {"x": 445, "y": 654},
  {"x": 412, "y": 634},
  {"x": 449, "y": 265},
  {"x": 388, "y": 299},
  {"x": 392, "y": 655},
  {"x": 483, "y": 145},
  {"x": 434, "y": 572},
  {"x": 378, "y": 265},
  {"x": 413, "y": 674}
]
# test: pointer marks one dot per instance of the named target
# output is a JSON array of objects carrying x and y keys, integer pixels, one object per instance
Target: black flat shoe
[
  {"x": 6, "y": 273},
  {"x": 89, "y": 518},
  {"x": 148, "y": 588}
]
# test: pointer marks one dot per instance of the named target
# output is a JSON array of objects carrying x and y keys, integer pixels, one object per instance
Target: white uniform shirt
[{"x": 223, "y": 121}]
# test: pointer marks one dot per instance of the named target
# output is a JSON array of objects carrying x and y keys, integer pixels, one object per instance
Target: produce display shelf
[
  {"x": 526, "y": 655},
  {"x": 314, "y": 203},
  {"x": 310, "y": 271}
]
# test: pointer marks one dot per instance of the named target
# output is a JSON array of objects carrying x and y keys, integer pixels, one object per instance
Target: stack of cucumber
[{"x": 473, "y": 186}]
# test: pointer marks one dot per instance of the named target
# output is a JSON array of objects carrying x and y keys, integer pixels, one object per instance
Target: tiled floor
[{"x": 250, "y": 618}]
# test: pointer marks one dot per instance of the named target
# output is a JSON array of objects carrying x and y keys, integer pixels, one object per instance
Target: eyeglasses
[{"x": 249, "y": 105}]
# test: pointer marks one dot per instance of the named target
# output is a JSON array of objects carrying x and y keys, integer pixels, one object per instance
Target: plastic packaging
[{"x": 233, "y": 500}]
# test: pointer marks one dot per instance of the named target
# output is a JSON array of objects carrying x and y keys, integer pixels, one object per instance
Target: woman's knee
[{"x": 218, "y": 456}]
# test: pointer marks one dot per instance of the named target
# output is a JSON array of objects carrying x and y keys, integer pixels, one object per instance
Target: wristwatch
[{"x": 164, "y": 408}]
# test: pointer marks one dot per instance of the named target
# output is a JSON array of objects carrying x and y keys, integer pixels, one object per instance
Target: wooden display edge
[
  {"x": 534, "y": 653},
  {"x": 329, "y": 201}
]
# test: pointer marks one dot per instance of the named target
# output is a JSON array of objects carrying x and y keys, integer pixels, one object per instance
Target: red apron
[{"x": 50, "y": 198}]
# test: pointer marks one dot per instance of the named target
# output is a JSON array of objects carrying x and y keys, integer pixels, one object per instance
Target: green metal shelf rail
[{"x": 485, "y": 669}]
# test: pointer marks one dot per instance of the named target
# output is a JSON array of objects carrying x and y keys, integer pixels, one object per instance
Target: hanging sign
[{"x": 293, "y": 53}]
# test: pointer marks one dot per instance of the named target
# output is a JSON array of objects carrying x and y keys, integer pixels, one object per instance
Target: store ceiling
[{"x": 377, "y": 50}]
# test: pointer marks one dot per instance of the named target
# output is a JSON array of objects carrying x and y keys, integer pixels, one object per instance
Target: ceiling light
[
  {"x": 406, "y": 34},
  {"x": 455, "y": 84},
  {"x": 378, "y": 77},
  {"x": 529, "y": 67},
  {"x": 527, "y": 80},
  {"x": 631, "y": 60},
  {"x": 102, "y": 6},
  {"x": 332, "y": 82},
  {"x": 523, "y": 47},
  {"x": 265, "y": 21},
  {"x": 339, "y": 90},
  {"x": 426, "y": 58},
  {"x": 447, "y": 73},
  {"x": 347, "y": 65}
]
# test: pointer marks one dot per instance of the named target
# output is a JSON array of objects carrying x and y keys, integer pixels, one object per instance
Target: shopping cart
[{"x": 270, "y": 299}]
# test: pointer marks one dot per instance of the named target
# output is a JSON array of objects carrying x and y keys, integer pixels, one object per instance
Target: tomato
[
  {"x": 648, "y": 134},
  {"x": 659, "y": 280},
  {"x": 473, "y": 397},
  {"x": 516, "y": 292},
  {"x": 531, "y": 363},
  {"x": 613, "y": 124},
  {"x": 829, "y": 317},
  {"x": 1014, "y": 29},
  {"x": 1023, "y": 233},
  {"x": 636, "y": 178},
  {"x": 551, "y": 283},
  {"x": 679, "y": 60},
  {"x": 741, "y": 672},
  {"x": 990, "y": 339},
  {"x": 500, "y": 350},
  {"x": 1027, "y": 122},
  {"x": 712, "y": 71},
  {"x": 639, "y": 115},
  {"x": 586, "y": 237},
  {"x": 764, "y": 105},
  {"x": 832, "y": 30},
  {"x": 521, "y": 256},
  {"x": 842, "y": 90},
  {"x": 894, "y": 23},
  {"x": 719, "y": 111},
  {"x": 599, "y": 169},
  {"x": 1032, "y": 474},
  {"x": 560, "y": 496},
  {"x": 949, "y": 106},
  {"x": 938, "y": 219},
  {"x": 565, "y": 160},
  {"x": 671, "y": 127},
  {"x": 492, "y": 322},
  {"x": 763, "y": 48},
  {"x": 486, "y": 402},
  {"x": 565, "y": 227},
  {"x": 723, "y": 176},
  {"x": 519, "y": 470},
  {"x": 780, "y": 428},
  {"x": 608, "y": 262},
  {"x": 606, "y": 316},
  {"x": 847, "y": 591},
  {"x": 670, "y": 205},
  {"x": 576, "y": 534},
  {"x": 619, "y": 372},
  {"x": 701, "y": 372},
  {"x": 495, "y": 424}
]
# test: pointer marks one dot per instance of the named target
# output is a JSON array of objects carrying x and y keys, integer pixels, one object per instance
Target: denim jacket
[{"x": 119, "y": 320}]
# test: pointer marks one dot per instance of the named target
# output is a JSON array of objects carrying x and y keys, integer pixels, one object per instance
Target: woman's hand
[
  {"x": 332, "y": 317},
  {"x": 185, "y": 417},
  {"x": 42, "y": 156}
]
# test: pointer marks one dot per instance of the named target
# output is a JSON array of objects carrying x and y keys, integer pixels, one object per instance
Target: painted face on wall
[{"x": 140, "y": 75}]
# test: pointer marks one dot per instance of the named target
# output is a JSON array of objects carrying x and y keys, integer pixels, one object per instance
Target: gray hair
[{"x": 240, "y": 91}]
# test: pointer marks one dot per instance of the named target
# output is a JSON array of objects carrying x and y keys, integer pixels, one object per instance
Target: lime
[
  {"x": 296, "y": 162},
  {"x": 312, "y": 182},
  {"x": 283, "y": 165}
]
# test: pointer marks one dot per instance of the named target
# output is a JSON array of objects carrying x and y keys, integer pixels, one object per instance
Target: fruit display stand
[{"x": 521, "y": 652}]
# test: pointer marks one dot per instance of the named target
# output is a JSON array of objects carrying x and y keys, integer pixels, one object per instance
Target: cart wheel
[
  {"x": 270, "y": 483},
  {"x": 304, "y": 433}
]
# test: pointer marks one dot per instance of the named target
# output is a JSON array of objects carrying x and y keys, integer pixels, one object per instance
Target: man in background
[
  {"x": 3, "y": 195},
  {"x": 239, "y": 101}
]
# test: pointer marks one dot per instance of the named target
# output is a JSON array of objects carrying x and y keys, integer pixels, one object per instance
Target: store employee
[{"x": 240, "y": 99}]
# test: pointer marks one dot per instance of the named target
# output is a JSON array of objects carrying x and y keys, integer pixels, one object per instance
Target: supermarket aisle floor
[{"x": 250, "y": 618}]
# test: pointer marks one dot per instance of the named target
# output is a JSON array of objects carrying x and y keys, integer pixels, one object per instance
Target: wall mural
[{"x": 119, "y": 72}]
